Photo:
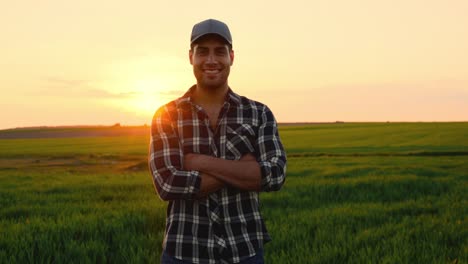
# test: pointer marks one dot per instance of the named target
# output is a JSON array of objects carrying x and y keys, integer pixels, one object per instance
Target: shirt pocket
[{"x": 240, "y": 140}]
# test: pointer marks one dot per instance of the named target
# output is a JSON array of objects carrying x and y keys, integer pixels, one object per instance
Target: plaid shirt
[{"x": 226, "y": 226}]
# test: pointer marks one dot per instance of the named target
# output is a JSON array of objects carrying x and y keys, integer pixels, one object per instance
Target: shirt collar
[{"x": 186, "y": 100}]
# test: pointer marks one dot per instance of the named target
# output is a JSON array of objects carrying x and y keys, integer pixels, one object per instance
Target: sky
[{"x": 105, "y": 62}]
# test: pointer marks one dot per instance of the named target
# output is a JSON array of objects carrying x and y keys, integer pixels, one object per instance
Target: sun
[
  {"x": 150, "y": 92},
  {"x": 144, "y": 84},
  {"x": 147, "y": 96}
]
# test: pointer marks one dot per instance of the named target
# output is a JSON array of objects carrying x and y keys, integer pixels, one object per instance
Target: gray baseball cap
[{"x": 211, "y": 26}]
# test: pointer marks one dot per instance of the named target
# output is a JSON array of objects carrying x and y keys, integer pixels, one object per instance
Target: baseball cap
[{"x": 211, "y": 26}]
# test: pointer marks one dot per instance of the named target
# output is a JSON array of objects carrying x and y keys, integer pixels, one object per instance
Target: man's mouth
[{"x": 211, "y": 71}]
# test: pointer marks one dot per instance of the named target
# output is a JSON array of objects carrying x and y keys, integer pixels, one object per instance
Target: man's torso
[{"x": 226, "y": 224}]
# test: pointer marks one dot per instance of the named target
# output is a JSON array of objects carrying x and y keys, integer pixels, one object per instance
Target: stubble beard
[{"x": 213, "y": 85}]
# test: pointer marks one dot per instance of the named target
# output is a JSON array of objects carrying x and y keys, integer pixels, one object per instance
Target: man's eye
[{"x": 202, "y": 52}]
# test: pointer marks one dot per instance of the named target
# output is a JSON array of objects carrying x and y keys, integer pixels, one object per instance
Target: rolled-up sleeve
[
  {"x": 271, "y": 154},
  {"x": 165, "y": 161}
]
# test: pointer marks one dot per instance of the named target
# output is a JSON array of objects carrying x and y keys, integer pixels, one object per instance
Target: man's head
[{"x": 211, "y": 54}]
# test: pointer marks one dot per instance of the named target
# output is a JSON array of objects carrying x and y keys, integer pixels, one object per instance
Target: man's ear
[
  {"x": 231, "y": 55},
  {"x": 190, "y": 56}
]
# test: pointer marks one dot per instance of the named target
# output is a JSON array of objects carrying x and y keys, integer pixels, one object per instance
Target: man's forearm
[
  {"x": 209, "y": 184},
  {"x": 244, "y": 174}
]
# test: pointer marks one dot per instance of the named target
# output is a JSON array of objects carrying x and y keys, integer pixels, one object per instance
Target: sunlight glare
[{"x": 149, "y": 82}]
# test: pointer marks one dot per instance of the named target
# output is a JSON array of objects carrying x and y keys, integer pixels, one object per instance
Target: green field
[{"x": 354, "y": 193}]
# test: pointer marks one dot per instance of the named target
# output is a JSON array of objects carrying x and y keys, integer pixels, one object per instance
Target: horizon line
[{"x": 279, "y": 123}]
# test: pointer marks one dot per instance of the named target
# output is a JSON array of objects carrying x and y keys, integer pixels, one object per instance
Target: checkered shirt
[{"x": 226, "y": 226}]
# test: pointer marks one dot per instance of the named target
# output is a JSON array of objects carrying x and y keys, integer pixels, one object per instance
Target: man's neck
[{"x": 207, "y": 96}]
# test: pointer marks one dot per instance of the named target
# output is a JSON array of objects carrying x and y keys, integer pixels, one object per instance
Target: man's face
[{"x": 211, "y": 59}]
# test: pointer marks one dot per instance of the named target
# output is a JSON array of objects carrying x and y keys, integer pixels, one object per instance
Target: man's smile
[{"x": 212, "y": 71}]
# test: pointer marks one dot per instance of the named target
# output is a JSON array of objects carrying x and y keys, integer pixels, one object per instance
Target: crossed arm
[
  {"x": 190, "y": 176},
  {"x": 243, "y": 174}
]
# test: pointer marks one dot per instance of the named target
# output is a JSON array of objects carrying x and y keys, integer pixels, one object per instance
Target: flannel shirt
[{"x": 226, "y": 226}]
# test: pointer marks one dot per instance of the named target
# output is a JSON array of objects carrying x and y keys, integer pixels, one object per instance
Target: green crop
[{"x": 354, "y": 193}]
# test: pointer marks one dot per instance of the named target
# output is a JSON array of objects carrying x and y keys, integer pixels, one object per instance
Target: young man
[{"x": 211, "y": 153}]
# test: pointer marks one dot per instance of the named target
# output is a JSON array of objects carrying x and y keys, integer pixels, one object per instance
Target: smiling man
[{"x": 211, "y": 152}]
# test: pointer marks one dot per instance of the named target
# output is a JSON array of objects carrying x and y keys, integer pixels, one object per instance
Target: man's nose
[{"x": 211, "y": 58}]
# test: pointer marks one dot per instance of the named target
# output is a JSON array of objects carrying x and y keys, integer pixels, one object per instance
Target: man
[{"x": 211, "y": 153}]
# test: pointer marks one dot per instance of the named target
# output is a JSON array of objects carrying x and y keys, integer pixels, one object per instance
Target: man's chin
[{"x": 213, "y": 85}]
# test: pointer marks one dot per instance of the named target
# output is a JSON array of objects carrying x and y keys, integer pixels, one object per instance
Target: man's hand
[
  {"x": 209, "y": 183},
  {"x": 248, "y": 157}
]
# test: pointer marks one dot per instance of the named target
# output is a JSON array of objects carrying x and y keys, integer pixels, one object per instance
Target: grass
[
  {"x": 66, "y": 217},
  {"x": 367, "y": 210},
  {"x": 355, "y": 193},
  {"x": 390, "y": 138}
]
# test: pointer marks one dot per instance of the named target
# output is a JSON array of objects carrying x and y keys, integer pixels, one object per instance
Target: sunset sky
[{"x": 102, "y": 62}]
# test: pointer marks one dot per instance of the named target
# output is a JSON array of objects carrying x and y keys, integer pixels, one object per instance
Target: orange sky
[{"x": 103, "y": 62}]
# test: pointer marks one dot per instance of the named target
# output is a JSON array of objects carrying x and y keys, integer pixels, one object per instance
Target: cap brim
[{"x": 206, "y": 34}]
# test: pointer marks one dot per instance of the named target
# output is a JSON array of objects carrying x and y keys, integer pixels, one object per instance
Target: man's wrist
[{"x": 202, "y": 161}]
